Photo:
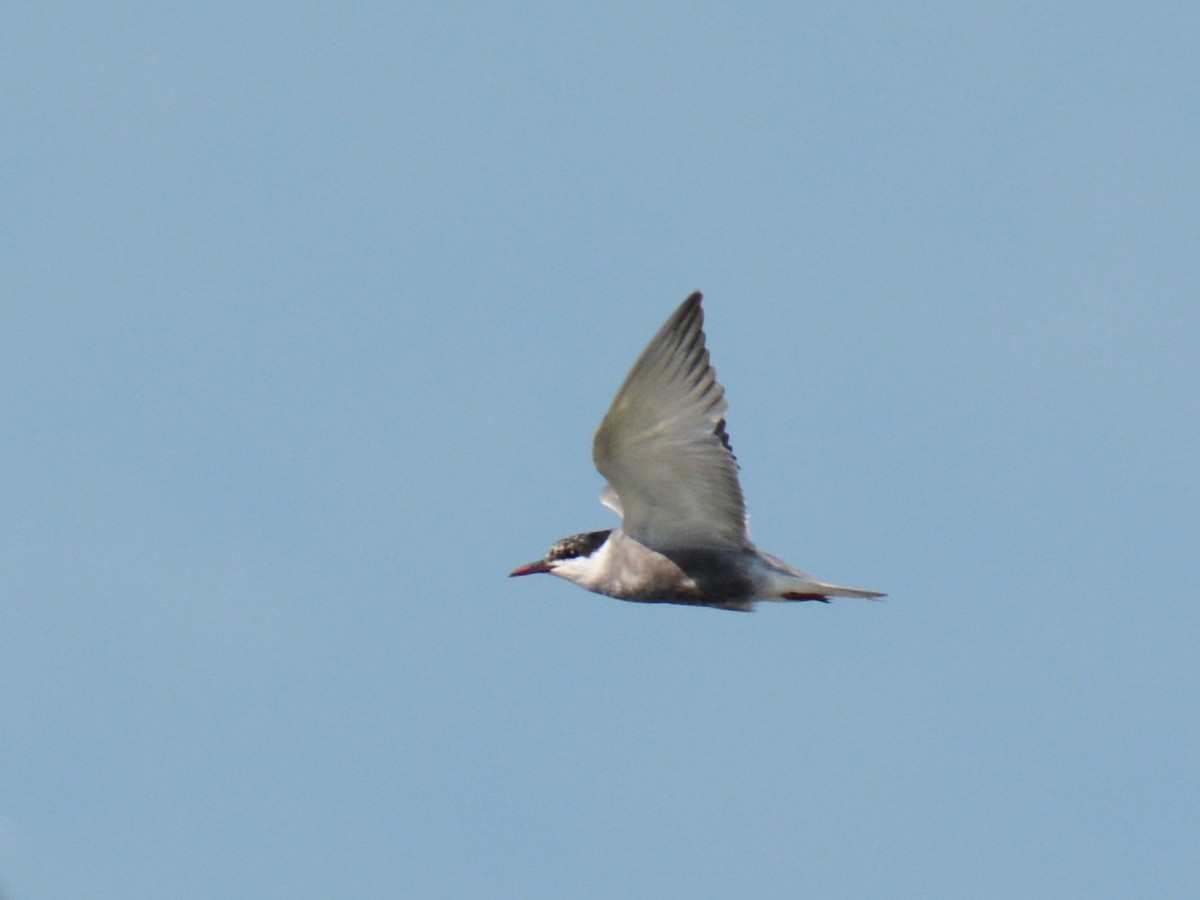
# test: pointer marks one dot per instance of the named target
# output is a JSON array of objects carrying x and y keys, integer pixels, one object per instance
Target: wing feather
[{"x": 663, "y": 445}]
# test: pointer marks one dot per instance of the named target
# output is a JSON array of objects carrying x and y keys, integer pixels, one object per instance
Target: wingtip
[{"x": 689, "y": 309}]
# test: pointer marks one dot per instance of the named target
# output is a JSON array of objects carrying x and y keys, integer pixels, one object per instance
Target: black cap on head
[{"x": 577, "y": 545}]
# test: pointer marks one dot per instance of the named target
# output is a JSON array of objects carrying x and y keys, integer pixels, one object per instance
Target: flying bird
[{"x": 672, "y": 477}]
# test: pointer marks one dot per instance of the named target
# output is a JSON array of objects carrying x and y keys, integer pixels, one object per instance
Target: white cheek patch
[{"x": 586, "y": 571}]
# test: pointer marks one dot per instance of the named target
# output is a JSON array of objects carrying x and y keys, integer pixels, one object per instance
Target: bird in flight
[{"x": 672, "y": 477}]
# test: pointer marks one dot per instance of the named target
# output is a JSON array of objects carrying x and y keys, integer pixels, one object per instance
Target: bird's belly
[{"x": 689, "y": 577}]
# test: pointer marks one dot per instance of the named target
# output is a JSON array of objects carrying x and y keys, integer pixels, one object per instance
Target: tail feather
[
  {"x": 786, "y": 582},
  {"x": 818, "y": 590},
  {"x": 836, "y": 590}
]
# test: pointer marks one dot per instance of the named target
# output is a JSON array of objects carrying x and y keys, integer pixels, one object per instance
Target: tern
[{"x": 673, "y": 479}]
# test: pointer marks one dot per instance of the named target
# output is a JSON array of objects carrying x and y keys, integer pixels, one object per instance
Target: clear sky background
[{"x": 310, "y": 311}]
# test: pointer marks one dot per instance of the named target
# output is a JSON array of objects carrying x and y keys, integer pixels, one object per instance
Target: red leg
[{"x": 792, "y": 595}]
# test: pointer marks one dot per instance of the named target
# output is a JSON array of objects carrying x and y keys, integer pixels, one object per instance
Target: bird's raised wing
[{"x": 663, "y": 446}]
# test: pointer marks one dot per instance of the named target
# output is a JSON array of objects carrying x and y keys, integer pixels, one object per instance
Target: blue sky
[{"x": 311, "y": 313}]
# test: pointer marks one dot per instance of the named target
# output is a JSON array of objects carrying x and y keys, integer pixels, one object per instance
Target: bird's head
[{"x": 566, "y": 556}]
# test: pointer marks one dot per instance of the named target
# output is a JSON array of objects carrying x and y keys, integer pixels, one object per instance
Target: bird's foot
[{"x": 793, "y": 595}]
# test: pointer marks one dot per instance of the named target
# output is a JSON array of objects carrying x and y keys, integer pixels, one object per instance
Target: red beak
[{"x": 530, "y": 568}]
